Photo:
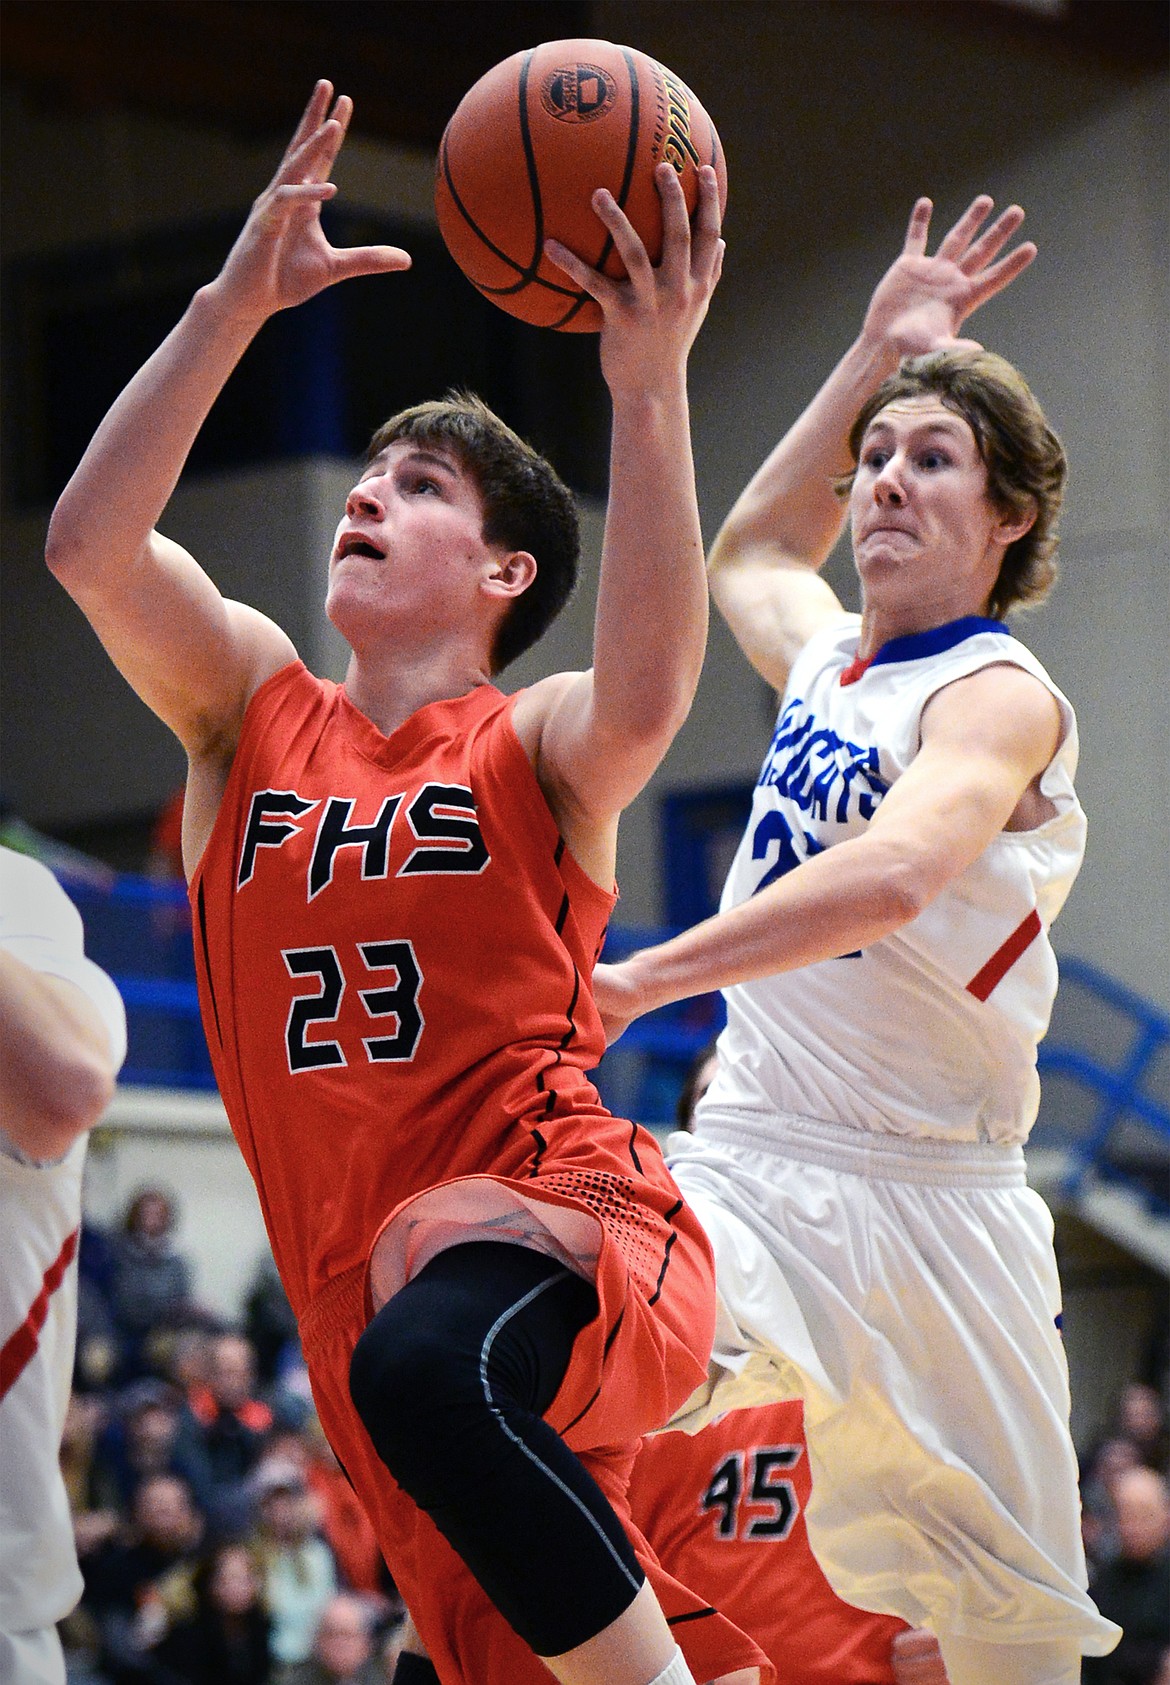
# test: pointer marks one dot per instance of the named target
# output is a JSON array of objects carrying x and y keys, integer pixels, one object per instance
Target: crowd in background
[
  {"x": 219, "y": 1539},
  {"x": 221, "y": 1543}
]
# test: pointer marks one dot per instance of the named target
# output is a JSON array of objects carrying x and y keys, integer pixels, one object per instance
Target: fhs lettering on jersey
[
  {"x": 442, "y": 818},
  {"x": 817, "y": 770}
]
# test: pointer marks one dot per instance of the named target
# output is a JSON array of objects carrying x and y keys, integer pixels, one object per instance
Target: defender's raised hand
[
  {"x": 282, "y": 257},
  {"x": 652, "y": 317},
  {"x": 922, "y": 301}
]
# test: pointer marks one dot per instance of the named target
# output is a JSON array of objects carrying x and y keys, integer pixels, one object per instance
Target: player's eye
[
  {"x": 876, "y": 457},
  {"x": 935, "y": 459}
]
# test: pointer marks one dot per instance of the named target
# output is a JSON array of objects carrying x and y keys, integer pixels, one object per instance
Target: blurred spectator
[
  {"x": 344, "y": 1523},
  {"x": 225, "y": 1638},
  {"x": 299, "y": 1572},
  {"x": 134, "y": 1578},
  {"x": 343, "y": 1647},
  {"x": 340, "y": 1518},
  {"x": 85, "y": 1418},
  {"x": 1141, "y": 1417},
  {"x": 187, "y": 1359},
  {"x": 1098, "y": 1506},
  {"x": 150, "y": 1281},
  {"x": 144, "y": 1436},
  {"x": 229, "y": 1424},
  {"x": 1134, "y": 1589},
  {"x": 96, "y": 1360},
  {"x": 269, "y": 1321}
]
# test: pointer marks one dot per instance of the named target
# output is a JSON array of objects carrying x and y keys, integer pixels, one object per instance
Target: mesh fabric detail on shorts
[{"x": 639, "y": 1234}]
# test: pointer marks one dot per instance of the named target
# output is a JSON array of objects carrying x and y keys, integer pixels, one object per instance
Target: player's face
[
  {"x": 925, "y": 532},
  {"x": 411, "y": 535}
]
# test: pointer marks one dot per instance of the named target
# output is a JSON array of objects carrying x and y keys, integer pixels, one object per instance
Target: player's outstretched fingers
[
  {"x": 918, "y": 228},
  {"x": 992, "y": 241},
  {"x": 311, "y": 117},
  {"x": 955, "y": 243}
]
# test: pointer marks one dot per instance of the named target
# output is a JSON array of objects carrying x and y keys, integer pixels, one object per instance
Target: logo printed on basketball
[
  {"x": 679, "y": 145},
  {"x": 578, "y": 93}
]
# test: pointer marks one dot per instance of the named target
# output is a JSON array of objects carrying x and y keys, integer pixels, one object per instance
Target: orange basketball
[{"x": 529, "y": 144}]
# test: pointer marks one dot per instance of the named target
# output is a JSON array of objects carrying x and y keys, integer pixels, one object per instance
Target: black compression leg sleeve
[{"x": 451, "y": 1379}]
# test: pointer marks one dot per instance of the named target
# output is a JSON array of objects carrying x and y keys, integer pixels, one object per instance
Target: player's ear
[
  {"x": 511, "y": 574},
  {"x": 1014, "y": 523}
]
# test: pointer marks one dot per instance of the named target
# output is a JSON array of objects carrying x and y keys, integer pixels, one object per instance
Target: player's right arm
[
  {"x": 764, "y": 566},
  {"x": 194, "y": 657},
  {"x": 56, "y": 1065}
]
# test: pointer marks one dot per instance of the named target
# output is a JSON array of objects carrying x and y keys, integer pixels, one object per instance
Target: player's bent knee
[{"x": 397, "y": 1374}]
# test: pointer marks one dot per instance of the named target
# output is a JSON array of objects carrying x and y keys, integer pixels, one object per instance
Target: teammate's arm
[
  {"x": 192, "y": 656},
  {"x": 765, "y": 561},
  {"x": 986, "y": 740},
  {"x": 56, "y": 1063},
  {"x": 605, "y": 731}
]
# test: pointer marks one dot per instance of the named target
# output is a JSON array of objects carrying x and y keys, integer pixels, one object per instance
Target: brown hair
[
  {"x": 1025, "y": 461},
  {"x": 526, "y": 505}
]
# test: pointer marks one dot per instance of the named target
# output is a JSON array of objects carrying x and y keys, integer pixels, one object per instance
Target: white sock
[{"x": 676, "y": 1671}]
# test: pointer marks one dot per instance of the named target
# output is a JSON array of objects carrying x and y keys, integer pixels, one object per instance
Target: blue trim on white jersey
[{"x": 915, "y": 645}]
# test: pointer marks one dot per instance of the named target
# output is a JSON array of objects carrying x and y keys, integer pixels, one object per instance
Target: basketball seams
[{"x": 530, "y": 163}]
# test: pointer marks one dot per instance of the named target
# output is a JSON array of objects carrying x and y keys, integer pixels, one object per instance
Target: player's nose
[
  {"x": 888, "y": 486},
  {"x": 362, "y": 501}
]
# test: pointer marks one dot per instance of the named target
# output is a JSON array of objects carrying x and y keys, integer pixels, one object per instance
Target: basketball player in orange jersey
[{"x": 399, "y": 888}]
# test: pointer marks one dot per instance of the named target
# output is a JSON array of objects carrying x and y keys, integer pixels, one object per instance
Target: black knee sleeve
[{"x": 451, "y": 1379}]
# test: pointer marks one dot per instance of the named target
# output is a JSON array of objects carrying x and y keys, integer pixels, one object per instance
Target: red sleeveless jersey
[{"x": 394, "y": 950}]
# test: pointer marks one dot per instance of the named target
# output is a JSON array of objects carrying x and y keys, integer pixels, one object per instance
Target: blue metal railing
[
  {"x": 1118, "y": 1090},
  {"x": 1108, "y": 1047}
]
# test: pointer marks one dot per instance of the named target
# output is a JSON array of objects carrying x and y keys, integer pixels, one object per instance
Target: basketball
[{"x": 528, "y": 145}]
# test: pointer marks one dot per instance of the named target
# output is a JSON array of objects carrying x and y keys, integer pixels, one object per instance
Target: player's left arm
[
  {"x": 986, "y": 739},
  {"x": 602, "y": 733}
]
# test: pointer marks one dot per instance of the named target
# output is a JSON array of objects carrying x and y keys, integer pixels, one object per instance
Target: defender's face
[
  {"x": 921, "y": 517},
  {"x": 412, "y": 530}
]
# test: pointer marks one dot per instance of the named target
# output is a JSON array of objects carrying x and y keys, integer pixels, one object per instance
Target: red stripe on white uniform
[
  {"x": 1005, "y": 956},
  {"x": 20, "y": 1347}
]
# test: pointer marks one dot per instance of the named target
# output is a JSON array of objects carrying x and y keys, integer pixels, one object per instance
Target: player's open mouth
[{"x": 354, "y": 544}]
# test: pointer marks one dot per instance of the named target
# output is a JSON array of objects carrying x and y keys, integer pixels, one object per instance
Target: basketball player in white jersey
[
  {"x": 883, "y": 947},
  {"x": 62, "y": 1040}
]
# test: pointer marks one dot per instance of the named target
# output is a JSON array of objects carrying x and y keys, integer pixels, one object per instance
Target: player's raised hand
[
  {"x": 651, "y": 318},
  {"x": 922, "y": 301},
  {"x": 282, "y": 257}
]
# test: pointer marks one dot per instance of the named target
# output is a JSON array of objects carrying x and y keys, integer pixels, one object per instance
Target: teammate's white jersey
[
  {"x": 931, "y": 1031},
  {"x": 40, "y": 1215}
]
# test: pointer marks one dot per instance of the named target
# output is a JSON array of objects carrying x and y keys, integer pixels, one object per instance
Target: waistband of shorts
[
  {"x": 892, "y": 1158},
  {"x": 338, "y": 1307}
]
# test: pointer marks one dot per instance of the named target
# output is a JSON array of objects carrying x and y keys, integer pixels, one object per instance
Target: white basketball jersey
[
  {"x": 40, "y": 1216},
  {"x": 931, "y": 1031}
]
